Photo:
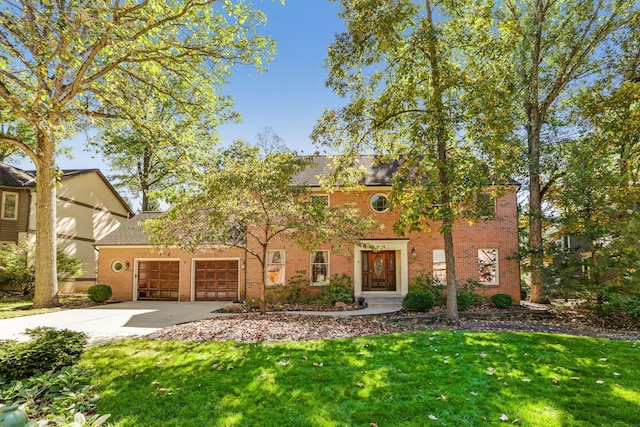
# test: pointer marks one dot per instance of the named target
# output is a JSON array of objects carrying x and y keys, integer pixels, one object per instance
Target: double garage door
[{"x": 214, "y": 280}]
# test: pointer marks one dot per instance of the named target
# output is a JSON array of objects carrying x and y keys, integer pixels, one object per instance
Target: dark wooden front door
[
  {"x": 379, "y": 271},
  {"x": 158, "y": 280},
  {"x": 216, "y": 280}
]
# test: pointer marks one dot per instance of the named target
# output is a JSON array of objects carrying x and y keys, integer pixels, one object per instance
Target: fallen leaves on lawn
[{"x": 277, "y": 327}]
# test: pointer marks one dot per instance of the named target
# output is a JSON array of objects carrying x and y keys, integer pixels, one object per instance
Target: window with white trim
[
  {"x": 488, "y": 266},
  {"x": 439, "y": 266},
  {"x": 320, "y": 267},
  {"x": 379, "y": 203},
  {"x": 9, "y": 205},
  {"x": 275, "y": 267}
]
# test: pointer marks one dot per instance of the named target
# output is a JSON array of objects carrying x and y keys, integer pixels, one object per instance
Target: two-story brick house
[{"x": 383, "y": 266}]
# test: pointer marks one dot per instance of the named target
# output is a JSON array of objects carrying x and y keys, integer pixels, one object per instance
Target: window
[
  {"x": 275, "y": 267},
  {"x": 320, "y": 200},
  {"x": 9, "y": 205},
  {"x": 117, "y": 266},
  {"x": 486, "y": 205},
  {"x": 320, "y": 267},
  {"x": 488, "y": 266},
  {"x": 439, "y": 266},
  {"x": 379, "y": 203}
]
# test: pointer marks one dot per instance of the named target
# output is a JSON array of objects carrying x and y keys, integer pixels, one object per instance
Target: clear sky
[{"x": 288, "y": 98}]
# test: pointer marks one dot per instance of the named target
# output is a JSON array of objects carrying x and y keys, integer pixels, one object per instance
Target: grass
[
  {"x": 450, "y": 378},
  {"x": 10, "y": 308}
]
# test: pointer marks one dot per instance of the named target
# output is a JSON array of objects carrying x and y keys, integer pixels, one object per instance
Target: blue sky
[{"x": 288, "y": 98}]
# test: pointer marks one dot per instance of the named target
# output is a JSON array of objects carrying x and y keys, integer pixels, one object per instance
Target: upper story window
[
  {"x": 379, "y": 203},
  {"x": 9, "y": 206},
  {"x": 486, "y": 205}
]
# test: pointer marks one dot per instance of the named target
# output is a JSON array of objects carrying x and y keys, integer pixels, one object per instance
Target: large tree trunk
[
  {"x": 452, "y": 287},
  {"x": 46, "y": 287}
]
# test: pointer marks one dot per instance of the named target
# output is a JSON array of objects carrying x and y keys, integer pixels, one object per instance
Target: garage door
[
  {"x": 158, "y": 280},
  {"x": 216, "y": 280}
]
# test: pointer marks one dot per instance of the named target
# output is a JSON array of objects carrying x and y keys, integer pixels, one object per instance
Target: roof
[
  {"x": 130, "y": 232},
  {"x": 380, "y": 173},
  {"x": 11, "y": 176}
]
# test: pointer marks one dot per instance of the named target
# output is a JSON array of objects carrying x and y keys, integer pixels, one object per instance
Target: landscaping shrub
[
  {"x": 295, "y": 286},
  {"x": 17, "y": 267},
  {"x": 99, "y": 293},
  {"x": 338, "y": 290},
  {"x": 502, "y": 300},
  {"x": 465, "y": 300},
  {"x": 419, "y": 300},
  {"x": 48, "y": 349}
]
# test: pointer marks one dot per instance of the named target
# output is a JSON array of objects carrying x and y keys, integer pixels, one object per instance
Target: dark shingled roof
[
  {"x": 11, "y": 176},
  {"x": 380, "y": 174},
  {"x": 130, "y": 232}
]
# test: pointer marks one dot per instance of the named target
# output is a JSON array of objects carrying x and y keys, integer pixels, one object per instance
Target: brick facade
[{"x": 413, "y": 254}]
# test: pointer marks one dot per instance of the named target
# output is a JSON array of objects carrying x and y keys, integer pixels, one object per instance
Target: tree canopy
[{"x": 68, "y": 64}]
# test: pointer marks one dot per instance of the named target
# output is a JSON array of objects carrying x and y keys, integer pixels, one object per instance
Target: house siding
[{"x": 10, "y": 229}]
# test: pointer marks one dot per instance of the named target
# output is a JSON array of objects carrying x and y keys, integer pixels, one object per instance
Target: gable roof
[
  {"x": 379, "y": 173},
  {"x": 11, "y": 176},
  {"x": 130, "y": 232}
]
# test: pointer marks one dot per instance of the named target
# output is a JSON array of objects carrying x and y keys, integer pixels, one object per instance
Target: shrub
[
  {"x": 419, "y": 300},
  {"x": 99, "y": 293},
  {"x": 338, "y": 290},
  {"x": 295, "y": 286},
  {"x": 17, "y": 267},
  {"x": 502, "y": 300},
  {"x": 48, "y": 349},
  {"x": 465, "y": 300}
]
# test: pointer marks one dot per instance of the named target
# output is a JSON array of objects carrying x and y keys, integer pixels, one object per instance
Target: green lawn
[
  {"x": 10, "y": 309},
  {"x": 412, "y": 379}
]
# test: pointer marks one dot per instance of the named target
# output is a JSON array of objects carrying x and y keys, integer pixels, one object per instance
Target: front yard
[{"x": 452, "y": 378}]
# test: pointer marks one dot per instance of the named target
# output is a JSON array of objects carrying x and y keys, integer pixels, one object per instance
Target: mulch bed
[{"x": 290, "y": 326}]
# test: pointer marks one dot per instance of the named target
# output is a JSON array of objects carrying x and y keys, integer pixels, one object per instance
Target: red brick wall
[{"x": 499, "y": 233}]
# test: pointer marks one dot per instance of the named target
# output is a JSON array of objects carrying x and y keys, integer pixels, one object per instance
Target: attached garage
[
  {"x": 216, "y": 280},
  {"x": 158, "y": 280}
]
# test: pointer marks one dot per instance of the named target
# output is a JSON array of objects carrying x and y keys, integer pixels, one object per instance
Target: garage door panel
[
  {"x": 216, "y": 280},
  {"x": 158, "y": 280}
]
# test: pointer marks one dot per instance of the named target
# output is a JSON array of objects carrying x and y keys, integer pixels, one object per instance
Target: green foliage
[
  {"x": 419, "y": 300},
  {"x": 465, "y": 300},
  {"x": 61, "y": 397},
  {"x": 502, "y": 300},
  {"x": 99, "y": 293},
  {"x": 48, "y": 349},
  {"x": 339, "y": 289},
  {"x": 293, "y": 290},
  {"x": 17, "y": 267},
  {"x": 626, "y": 304}
]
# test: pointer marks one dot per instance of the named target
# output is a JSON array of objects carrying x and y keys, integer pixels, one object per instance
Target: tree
[
  {"x": 561, "y": 45},
  {"x": 67, "y": 64},
  {"x": 251, "y": 201},
  {"x": 426, "y": 89}
]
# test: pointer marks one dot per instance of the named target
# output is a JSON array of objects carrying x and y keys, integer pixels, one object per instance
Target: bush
[
  {"x": 99, "y": 293},
  {"x": 502, "y": 300},
  {"x": 17, "y": 267},
  {"x": 419, "y": 300},
  {"x": 338, "y": 290},
  {"x": 465, "y": 300},
  {"x": 48, "y": 349},
  {"x": 295, "y": 287}
]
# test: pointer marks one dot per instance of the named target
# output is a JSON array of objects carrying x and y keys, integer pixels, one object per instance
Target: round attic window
[
  {"x": 379, "y": 203},
  {"x": 117, "y": 266}
]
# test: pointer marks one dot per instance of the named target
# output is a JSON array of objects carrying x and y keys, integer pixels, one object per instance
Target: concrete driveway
[{"x": 114, "y": 321}]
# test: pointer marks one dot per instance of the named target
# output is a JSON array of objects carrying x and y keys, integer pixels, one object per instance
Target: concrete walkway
[{"x": 138, "y": 318}]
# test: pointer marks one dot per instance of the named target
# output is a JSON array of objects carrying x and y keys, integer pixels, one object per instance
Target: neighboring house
[
  {"x": 88, "y": 208},
  {"x": 484, "y": 251}
]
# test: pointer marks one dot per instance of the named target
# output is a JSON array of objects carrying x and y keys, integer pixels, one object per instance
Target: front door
[{"x": 379, "y": 271}]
